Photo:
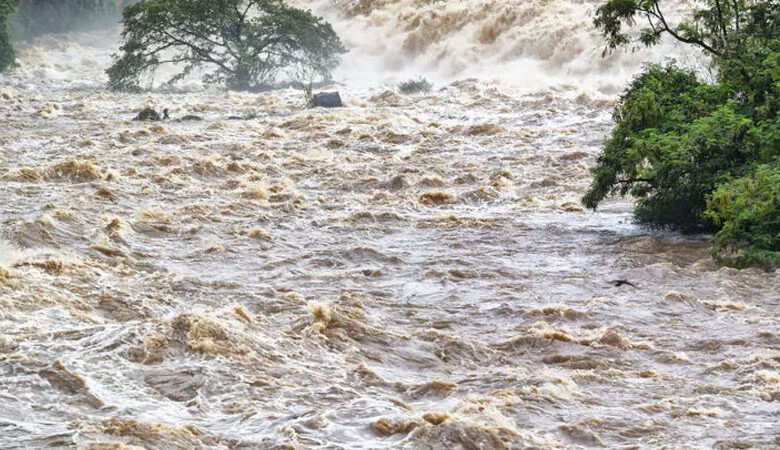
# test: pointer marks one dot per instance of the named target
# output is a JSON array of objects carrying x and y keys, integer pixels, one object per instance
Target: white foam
[
  {"x": 11, "y": 254},
  {"x": 531, "y": 44}
]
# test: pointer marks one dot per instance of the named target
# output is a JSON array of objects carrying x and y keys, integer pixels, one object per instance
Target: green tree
[
  {"x": 246, "y": 44},
  {"x": 686, "y": 149},
  {"x": 7, "y": 55}
]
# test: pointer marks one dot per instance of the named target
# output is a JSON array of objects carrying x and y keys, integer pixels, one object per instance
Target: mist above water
[{"x": 532, "y": 44}]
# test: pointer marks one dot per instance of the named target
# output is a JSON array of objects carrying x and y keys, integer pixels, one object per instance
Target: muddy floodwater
[{"x": 409, "y": 271}]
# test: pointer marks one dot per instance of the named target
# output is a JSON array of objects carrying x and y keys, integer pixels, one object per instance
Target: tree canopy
[
  {"x": 696, "y": 155},
  {"x": 244, "y": 44}
]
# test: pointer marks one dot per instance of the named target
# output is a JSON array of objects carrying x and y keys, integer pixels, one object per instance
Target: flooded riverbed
[{"x": 405, "y": 272}]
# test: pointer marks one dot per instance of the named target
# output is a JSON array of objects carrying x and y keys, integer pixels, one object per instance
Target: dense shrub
[
  {"x": 420, "y": 85},
  {"x": 699, "y": 155},
  {"x": 748, "y": 211},
  {"x": 661, "y": 150}
]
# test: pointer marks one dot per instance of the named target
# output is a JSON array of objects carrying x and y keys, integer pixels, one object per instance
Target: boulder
[{"x": 327, "y": 100}]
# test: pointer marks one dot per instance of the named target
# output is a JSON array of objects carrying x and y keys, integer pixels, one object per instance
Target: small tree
[
  {"x": 245, "y": 43},
  {"x": 315, "y": 62}
]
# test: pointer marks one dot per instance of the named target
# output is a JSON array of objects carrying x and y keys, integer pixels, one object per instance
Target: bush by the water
[
  {"x": 748, "y": 210},
  {"x": 420, "y": 85},
  {"x": 246, "y": 44},
  {"x": 697, "y": 155}
]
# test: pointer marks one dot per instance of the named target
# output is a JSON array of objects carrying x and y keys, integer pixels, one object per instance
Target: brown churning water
[{"x": 405, "y": 272}]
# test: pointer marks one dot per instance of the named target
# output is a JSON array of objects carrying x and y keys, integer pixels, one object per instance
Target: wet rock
[{"x": 326, "y": 100}]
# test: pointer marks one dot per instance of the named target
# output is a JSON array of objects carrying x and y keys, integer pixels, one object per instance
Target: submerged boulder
[{"x": 327, "y": 100}]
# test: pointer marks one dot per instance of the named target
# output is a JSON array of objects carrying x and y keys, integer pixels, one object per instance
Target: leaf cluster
[
  {"x": 696, "y": 155},
  {"x": 748, "y": 210}
]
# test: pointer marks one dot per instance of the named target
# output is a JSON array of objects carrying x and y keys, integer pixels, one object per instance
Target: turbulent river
[{"x": 410, "y": 271}]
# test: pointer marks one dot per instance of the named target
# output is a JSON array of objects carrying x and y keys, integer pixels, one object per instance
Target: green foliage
[
  {"x": 247, "y": 44},
  {"x": 748, "y": 211},
  {"x": 698, "y": 155},
  {"x": 713, "y": 25},
  {"x": 415, "y": 86},
  {"x": 7, "y": 56},
  {"x": 673, "y": 136}
]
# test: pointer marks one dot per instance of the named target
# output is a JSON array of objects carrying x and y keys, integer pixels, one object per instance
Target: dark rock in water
[
  {"x": 190, "y": 117},
  {"x": 148, "y": 114},
  {"x": 235, "y": 118},
  {"x": 327, "y": 100}
]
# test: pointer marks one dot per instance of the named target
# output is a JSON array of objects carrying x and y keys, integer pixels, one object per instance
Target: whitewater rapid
[{"x": 410, "y": 271}]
